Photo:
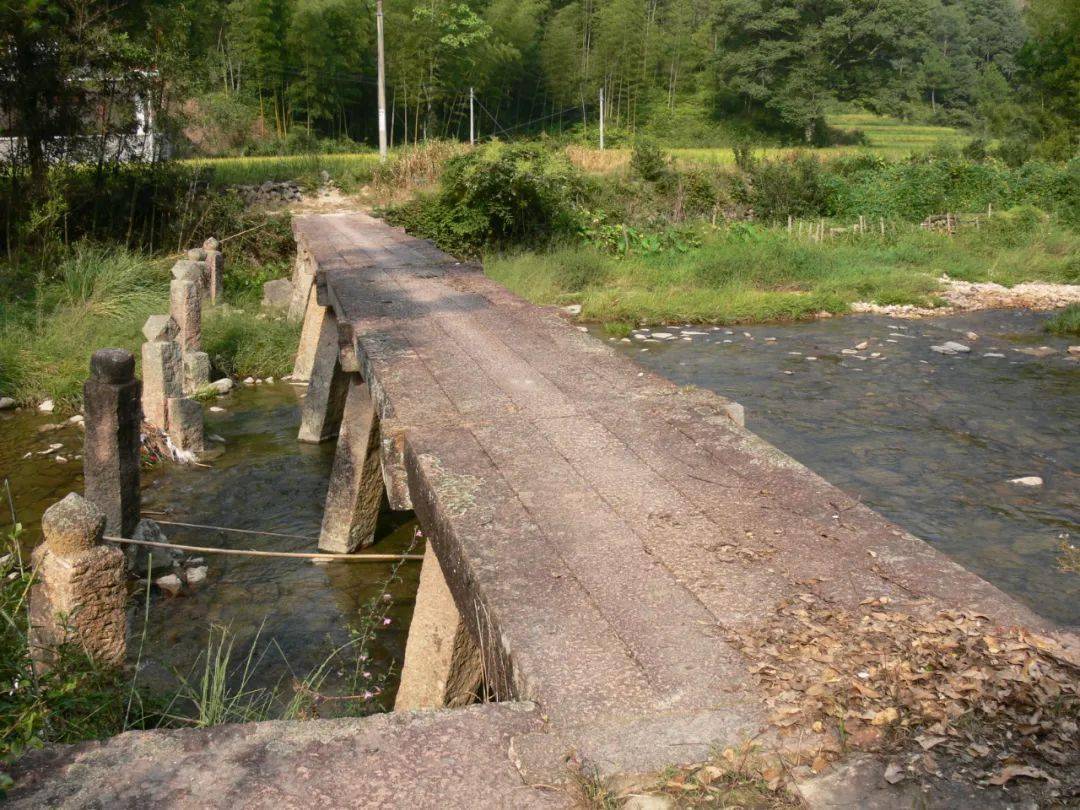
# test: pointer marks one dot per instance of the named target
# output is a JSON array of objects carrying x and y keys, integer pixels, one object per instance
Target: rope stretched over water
[
  {"x": 296, "y": 555},
  {"x": 238, "y": 531}
]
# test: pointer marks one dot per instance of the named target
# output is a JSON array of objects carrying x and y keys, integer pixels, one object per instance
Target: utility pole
[
  {"x": 472, "y": 120},
  {"x": 601, "y": 117},
  {"x": 382, "y": 80}
]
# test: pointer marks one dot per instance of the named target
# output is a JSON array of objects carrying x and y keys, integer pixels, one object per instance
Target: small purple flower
[
  {"x": 368, "y": 696},
  {"x": 386, "y": 621}
]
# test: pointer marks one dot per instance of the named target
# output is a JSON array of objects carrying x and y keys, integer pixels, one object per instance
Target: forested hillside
[{"x": 271, "y": 75}]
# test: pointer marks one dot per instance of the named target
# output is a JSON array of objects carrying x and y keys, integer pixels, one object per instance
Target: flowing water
[
  {"x": 265, "y": 480},
  {"x": 931, "y": 441}
]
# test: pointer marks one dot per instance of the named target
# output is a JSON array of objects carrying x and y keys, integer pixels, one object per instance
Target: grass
[
  {"x": 351, "y": 168},
  {"x": 98, "y": 297},
  {"x": 1066, "y": 322},
  {"x": 746, "y": 273}
]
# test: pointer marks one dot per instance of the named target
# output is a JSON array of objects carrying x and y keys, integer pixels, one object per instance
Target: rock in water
[
  {"x": 6, "y": 403},
  {"x": 196, "y": 575},
  {"x": 1027, "y": 481},
  {"x": 951, "y": 347},
  {"x": 47, "y": 406},
  {"x": 170, "y": 583}
]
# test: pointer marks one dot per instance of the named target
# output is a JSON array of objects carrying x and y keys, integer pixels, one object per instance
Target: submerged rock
[
  {"x": 170, "y": 584},
  {"x": 48, "y": 406},
  {"x": 6, "y": 403},
  {"x": 951, "y": 347},
  {"x": 1027, "y": 481}
]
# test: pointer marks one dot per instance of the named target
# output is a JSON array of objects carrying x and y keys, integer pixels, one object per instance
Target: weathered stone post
[
  {"x": 442, "y": 662},
  {"x": 162, "y": 367},
  {"x": 112, "y": 401},
  {"x": 185, "y": 305},
  {"x": 80, "y": 591},
  {"x": 356, "y": 481},
  {"x": 215, "y": 269},
  {"x": 186, "y": 425}
]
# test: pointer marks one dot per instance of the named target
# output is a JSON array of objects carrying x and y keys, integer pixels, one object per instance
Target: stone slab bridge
[{"x": 595, "y": 537}]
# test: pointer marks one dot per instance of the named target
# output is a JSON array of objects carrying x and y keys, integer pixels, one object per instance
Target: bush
[
  {"x": 497, "y": 195},
  {"x": 648, "y": 161},
  {"x": 1066, "y": 322},
  {"x": 776, "y": 189}
]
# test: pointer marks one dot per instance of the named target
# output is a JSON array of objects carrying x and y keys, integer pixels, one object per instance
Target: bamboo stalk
[{"x": 295, "y": 555}]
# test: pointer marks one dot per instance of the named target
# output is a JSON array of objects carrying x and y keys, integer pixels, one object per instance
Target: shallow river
[
  {"x": 928, "y": 440},
  {"x": 265, "y": 480}
]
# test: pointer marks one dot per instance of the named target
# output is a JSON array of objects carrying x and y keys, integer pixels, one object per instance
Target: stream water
[
  {"x": 265, "y": 480},
  {"x": 929, "y": 440}
]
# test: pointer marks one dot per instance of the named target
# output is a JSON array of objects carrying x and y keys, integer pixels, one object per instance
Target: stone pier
[
  {"x": 321, "y": 412},
  {"x": 442, "y": 667},
  {"x": 185, "y": 306},
  {"x": 80, "y": 593},
  {"x": 162, "y": 367},
  {"x": 186, "y": 425},
  {"x": 356, "y": 481},
  {"x": 112, "y": 402}
]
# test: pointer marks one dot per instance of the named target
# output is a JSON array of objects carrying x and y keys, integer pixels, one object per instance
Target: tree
[{"x": 791, "y": 58}]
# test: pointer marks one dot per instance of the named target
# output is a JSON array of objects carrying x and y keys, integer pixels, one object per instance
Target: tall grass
[
  {"x": 1066, "y": 322},
  {"x": 746, "y": 273}
]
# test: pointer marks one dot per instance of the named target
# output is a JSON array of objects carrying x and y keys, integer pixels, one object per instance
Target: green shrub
[
  {"x": 500, "y": 194},
  {"x": 648, "y": 161},
  {"x": 776, "y": 189}
]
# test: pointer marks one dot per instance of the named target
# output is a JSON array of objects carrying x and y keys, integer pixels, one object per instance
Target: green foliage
[
  {"x": 648, "y": 160},
  {"x": 497, "y": 195},
  {"x": 750, "y": 273},
  {"x": 776, "y": 189},
  {"x": 242, "y": 344},
  {"x": 1066, "y": 322}
]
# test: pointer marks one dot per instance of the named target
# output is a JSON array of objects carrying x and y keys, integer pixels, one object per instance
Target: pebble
[
  {"x": 249, "y": 380},
  {"x": 1027, "y": 481},
  {"x": 47, "y": 406},
  {"x": 862, "y": 345},
  {"x": 661, "y": 335},
  {"x": 170, "y": 583},
  {"x": 624, "y": 340},
  {"x": 6, "y": 403},
  {"x": 951, "y": 347},
  {"x": 1073, "y": 350},
  {"x": 216, "y": 409},
  {"x": 222, "y": 386},
  {"x": 196, "y": 575},
  {"x": 61, "y": 460},
  {"x": 271, "y": 379},
  {"x": 49, "y": 427},
  {"x": 1041, "y": 351},
  {"x": 809, "y": 357},
  {"x": 971, "y": 335},
  {"x": 77, "y": 419}
]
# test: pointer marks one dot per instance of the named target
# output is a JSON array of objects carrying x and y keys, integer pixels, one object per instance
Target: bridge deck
[{"x": 603, "y": 532}]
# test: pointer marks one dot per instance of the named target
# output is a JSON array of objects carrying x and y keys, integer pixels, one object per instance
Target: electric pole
[
  {"x": 601, "y": 117},
  {"x": 382, "y": 80},
  {"x": 472, "y": 120}
]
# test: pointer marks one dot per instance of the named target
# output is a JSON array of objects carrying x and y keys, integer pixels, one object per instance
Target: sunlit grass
[
  {"x": 236, "y": 171},
  {"x": 754, "y": 274}
]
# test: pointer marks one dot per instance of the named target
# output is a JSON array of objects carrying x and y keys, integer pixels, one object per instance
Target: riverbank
[
  {"x": 96, "y": 296},
  {"x": 746, "y": 273}
]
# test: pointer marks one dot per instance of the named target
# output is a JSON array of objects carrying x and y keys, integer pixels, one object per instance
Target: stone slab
[{"x": 414, "y": 761}]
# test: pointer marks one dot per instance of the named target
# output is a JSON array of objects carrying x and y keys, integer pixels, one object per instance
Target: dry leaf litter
[{"x": 951, "y": 696}]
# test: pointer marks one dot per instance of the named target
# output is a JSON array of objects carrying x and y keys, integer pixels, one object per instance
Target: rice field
[
  {"x": 887, "y": 137},
  {"x": 237, "y": 171}
]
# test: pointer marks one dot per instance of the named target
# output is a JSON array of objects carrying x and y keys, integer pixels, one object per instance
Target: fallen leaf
[
  {"x": 894, "y": 773},
  {"x": 1003, "y": 776}
]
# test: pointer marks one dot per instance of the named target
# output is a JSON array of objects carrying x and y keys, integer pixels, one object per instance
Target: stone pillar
[
  {"x": 215, "y": 269},
  {"x": 196, "y": 371},
  {"x": 186, "y": 308},
  {"x": 442, "y": 662},
  {"x": 320, "y": 413},
  {"x": 186, "y": 425},
  {"x": 112, "y": 402},
  {"x": 161, "y": 367},
  {"x": 80, "y": 590},
  {"x": 356, "y": 482}
]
